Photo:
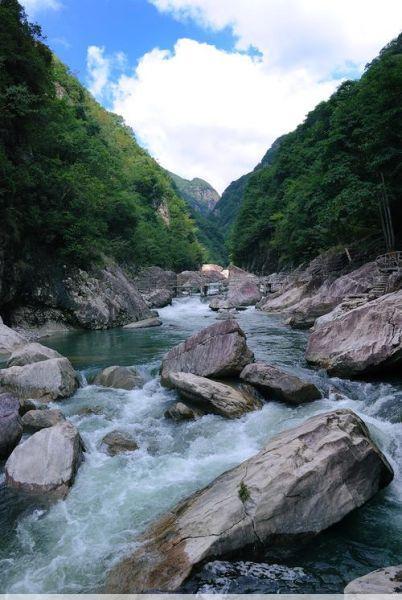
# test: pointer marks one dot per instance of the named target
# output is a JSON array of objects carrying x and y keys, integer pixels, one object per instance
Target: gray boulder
[
  {"x": 302, "y": 482},
  {"x": 212, "y": 396},
  {"x": 47, "y": 462},
  {"x": 125, "y": 378},
  {"x": 246, "y": 292},
  {"x": 152, "y": 278},
  {"x": 159, "y": 298},
  {"x": 10, "y": 424},
  {"x": 273, "y": 381},
  {"x": 182, "y": 412},
  {"x": 34, "y": 420},
  {"x": 31, "y": 353},
  {"x": 151, "y": 322},
  {"x": 366, "y": 340},
  {"x": 381, "y": 581},
  {"x": 219, "y": 350},
  {"x": 48, "y": 380},
  {"x": 117, "y": 442},
  {"x": 10, "y": 339}
]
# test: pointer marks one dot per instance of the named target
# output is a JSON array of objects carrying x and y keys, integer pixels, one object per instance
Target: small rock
[
  {"x": 34, "y": 420},
  {"x": 182, "y": 412},
  {"x": 124, "y": 378},
  {"x": 151, "y": 322},
  {"x": 47, "y": 462},
  {"x": 117, "y": 442},
  {"x": 31, "y": 353},
  {"x": 381, "y": 581},
  {"x": 274, "y": 381},
  {"x": 10, "y": 424}
]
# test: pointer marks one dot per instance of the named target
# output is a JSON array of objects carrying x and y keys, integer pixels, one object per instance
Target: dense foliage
[
  {"x": 325, "y": 184},
  {"x": 73, "y": 180}
]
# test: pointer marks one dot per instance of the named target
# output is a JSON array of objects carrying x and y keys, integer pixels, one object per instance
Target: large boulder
[
  {"x": 117, "y": 442},
  {"x": 153, "y": 278},
  {"x": 382, "y": 581},
  {"x": 219, "y": 350},
  {"x": 34, "y": 420},
  {"x": 52, "y": 379},
  {"x": 182, "y": 412},
  {"x": 280, "y": 384},
  {"x": 160, "y": 297},
  {"x": 244, "y": 293},
  {"x": 31, "y": 353},
  {"x": 366, "y": 340},
  {"x": 144, "y": 323},
  {"x": 302, "y": 482},
  {"x": 10, "y": 339},
  {"x": 10, "y": 424},
  {"x": 125, "y": 378},
  {"x": 47, "y": 462},
  {"x": 212, "y": 396}
]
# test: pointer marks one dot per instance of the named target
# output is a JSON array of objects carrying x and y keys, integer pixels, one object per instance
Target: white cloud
[
  {"x": 205, "y": 112},
  {"x": 34, "y": 6}
]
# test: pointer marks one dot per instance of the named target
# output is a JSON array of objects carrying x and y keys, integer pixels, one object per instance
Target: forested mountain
[
  {"x": 201, "y": 198},
  {"x": 331, "y": 178},
  {"x": 226, "y": 210},
  {"x": 74, "y": 183}
]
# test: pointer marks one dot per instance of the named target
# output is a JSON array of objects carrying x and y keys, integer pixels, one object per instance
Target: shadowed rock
[
  {"x": 273, "y": 381},
  {"x": 381, "y": 581},
  {"x": 125, "y": 378},
  {"x": 212, "y": 396},
  {"x": 302, "y": 482},
  {"x": 31, "y": 353},
  {"x": 47, "y": 462},
  {"x": 10, "y": 424},
  {"x": 219, "y": 350},
  {"x": 365, "y": 340}
]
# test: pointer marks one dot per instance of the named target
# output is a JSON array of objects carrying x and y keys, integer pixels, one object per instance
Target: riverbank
[{"x": 70, "y": 546}]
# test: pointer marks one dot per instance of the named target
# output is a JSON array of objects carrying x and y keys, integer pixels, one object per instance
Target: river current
[{"x": 68, "y": 547}]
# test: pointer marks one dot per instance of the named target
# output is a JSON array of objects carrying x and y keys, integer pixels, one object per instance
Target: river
[{"x": 68, "y": 547}]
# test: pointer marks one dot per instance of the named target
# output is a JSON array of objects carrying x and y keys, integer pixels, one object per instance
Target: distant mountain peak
[{"x": 198, "y": 193}]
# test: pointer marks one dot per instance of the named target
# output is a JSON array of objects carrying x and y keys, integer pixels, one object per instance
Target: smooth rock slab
[
  {"x": 273, "y": 381},
  {"x": 219, "y": 350},
  {"x": 381, "y": 581},
  {"x": 34, "y": 420},
  {"x": 125, "y": 378},
  {"x": 366, "y": 340},
  {"x": 302, "y": 482},
  {"x": 10, "y": 339},
  {"x": 212, "y": 396},
  {"x": 117, "y": 442},
  {"x": 47, "y": 462},
  {"x": 182, "y": 412},
  {"x": 151, "y": 322},
  {"x": 31, "y": 353},
  {"x": 10, "y": 424},
  {"x": 48, "y": 380}
]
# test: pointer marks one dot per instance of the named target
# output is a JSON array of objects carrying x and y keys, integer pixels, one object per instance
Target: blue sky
[{"x": 207, "y": 85}]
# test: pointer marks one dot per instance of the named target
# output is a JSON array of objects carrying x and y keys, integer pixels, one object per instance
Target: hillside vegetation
[
  {"x": 74, "y": 183},
  {"x": 328, "y": 178}
]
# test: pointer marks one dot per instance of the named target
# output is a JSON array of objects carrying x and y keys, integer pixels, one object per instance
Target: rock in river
[
  {"x": 125, "y": 378},
  {"x": 381, "y": 581},
  {"x": 273, "y": 381},
  {"x": 219, "y": 350},
  {"x": 117, "y": 442},
  {"x": 366, "y": 340},
  {"x": 47, "y": 380},
  {"x": 182, "y": 412},
  {"x": 31, "y": 353},
  {"x": 47, "y": 462},
  {"x": 34, "y": 420},
  {"x": 212, "y": 396},
  {"x": 10, "y": 424},
  {"x": 302, "y": 482}
]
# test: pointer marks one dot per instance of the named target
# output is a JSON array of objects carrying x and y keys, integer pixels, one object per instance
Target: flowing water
[{"x": 69, "y": 546}]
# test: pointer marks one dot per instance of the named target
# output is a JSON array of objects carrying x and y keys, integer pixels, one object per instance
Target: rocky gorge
[{"x": 235, "y": 368}]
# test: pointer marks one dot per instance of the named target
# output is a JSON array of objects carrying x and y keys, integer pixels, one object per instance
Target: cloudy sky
[{"x": 207, "y": 85}]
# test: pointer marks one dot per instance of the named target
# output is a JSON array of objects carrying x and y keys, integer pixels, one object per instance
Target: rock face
[
  {"x": 125, "y": 378},
  {"x": 10, "y": 340},
  {"x": 381, "y": 581},
  {"x": 48, "y": 380},
  {"x": 219, "y": 350},
  {"x": 182, "y": 412},
  {"x": 31, "y": 353},
  {"x": 302, "y": 482},
  {"x": 151, "y": 322},
  {"x": 34, "y": 420},
  {"x": 46, "y": 463},
  {"x": 362, "y": 341},
  {"x": 152, "y": 278},
  {"x": 245, "y": 293},
  {"x": 117, "y": 442},
  {"x": 211, "y": 396},
  {"x": 275, "y": 382},
  {"x": 10, "y": 424}
]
